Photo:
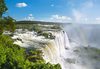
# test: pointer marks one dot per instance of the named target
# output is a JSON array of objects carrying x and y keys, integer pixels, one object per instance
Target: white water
[
  {"x": 60, "y": 50},
  {"x": 55, "y": 52}
]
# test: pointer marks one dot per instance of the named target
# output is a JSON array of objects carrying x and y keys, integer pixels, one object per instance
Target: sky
[{"x": 73, "y": 11}]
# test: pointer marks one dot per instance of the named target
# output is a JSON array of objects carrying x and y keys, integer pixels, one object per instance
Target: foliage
[
  {"x": 31, "y": 27},
  {"x": 3, "y": 7},
  {"x": 48, "y": 35},
  {"x": 36, "y": 28},
  {"x": 14, "y": 57},
  {"x": 6, "y": 23},
  {"x": 9, "y": 23},
  {"x": 55, "y": 27},
  {"x": 1, "y": 30},
  {"x": 45, "y": 66},
  {"x": 35, "y": 56},
  {"x": 1, "y": 26}
]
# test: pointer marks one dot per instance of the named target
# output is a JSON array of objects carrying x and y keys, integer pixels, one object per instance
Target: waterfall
[
  {"x": 61, "y": 51},
  {"x": 55, "y": 50}
]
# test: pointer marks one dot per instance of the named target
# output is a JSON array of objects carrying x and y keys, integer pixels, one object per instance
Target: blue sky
[{"x": 76, "y": 11}]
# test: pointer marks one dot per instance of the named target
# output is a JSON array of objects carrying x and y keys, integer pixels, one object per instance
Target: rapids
[{"x": 74, "y": 47}]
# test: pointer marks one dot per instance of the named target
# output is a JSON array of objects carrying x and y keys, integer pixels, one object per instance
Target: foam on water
[
  {"x": 69, "y": 55},
  {"x": 61, "y": 51}
]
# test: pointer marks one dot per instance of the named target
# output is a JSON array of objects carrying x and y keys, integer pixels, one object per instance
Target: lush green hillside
[{"x": 14, "y": 57}]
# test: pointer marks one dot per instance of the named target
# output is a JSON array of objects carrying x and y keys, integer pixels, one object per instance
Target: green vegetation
[
  {"x": 9, "y": 24},
  {"x": 31, "y": 27},
  {"x": 13, "y": 56},
  {"x": 3, "y": 7},
  {"x": 6, "y": 23},
  {"x": 56, "y": 27},
  {"x": 37, "y": 28},
  {"x": 96, "y": 50},
  {"x": 36, "y": 25},
  {"x": 48, "y": 35}
]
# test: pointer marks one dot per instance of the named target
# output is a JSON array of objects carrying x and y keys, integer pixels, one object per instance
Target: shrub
[
  {"x": 55, "y": 27},
  {"x": 14, "y": 57},
  {"x": 48, "y": 35}
]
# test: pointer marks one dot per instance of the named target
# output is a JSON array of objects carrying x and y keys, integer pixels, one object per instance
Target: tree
[
  {"x": 3, "y": 8},
  {"x": 6, "y": 23},
  {"x": 1, "y": 26},
  {"x": 9, "y": 23}
]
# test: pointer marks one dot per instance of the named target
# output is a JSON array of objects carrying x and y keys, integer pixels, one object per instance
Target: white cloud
[
  {"x": 20, "y": 5},
  {"x": 58, "y": 18},
  {"x": 53, "y": 18},
  {"x": 29, "y": 17}
]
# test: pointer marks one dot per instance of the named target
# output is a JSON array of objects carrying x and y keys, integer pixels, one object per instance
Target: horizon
[
  {"x": 48, "y": 22},
  {"x": 64, "y": 11}
]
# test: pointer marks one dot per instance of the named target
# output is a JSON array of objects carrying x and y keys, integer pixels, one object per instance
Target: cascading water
[
  {"x": 54, "y": 51},
  {"x": 69, "y": 48},
  {"x": 60, "y": 50}
]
